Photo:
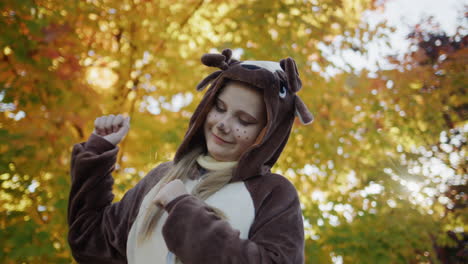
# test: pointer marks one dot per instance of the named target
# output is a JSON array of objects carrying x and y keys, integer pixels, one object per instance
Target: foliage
[{"x": 64, "y": 63}]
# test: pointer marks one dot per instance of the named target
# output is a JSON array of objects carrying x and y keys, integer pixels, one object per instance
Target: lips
[{"x": 219, "y": 140}]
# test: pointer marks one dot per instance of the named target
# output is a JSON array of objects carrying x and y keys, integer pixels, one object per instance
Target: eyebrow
[{"x": 241, "y": 111}]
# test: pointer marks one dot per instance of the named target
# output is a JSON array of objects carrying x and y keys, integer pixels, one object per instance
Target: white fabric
[{"x": 269, "y": 65}]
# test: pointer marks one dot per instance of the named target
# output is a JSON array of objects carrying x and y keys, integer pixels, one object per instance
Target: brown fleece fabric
[
  {"x": 196, "y": 235},
  {"x": 99, "y": 229}
]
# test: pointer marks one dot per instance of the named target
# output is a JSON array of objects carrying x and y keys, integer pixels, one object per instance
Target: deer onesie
[{"x": 264, "y": 220}]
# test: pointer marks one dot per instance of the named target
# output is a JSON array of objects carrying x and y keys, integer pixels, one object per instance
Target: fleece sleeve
[
  {"x": 98, "y": 228},
  {"x": 196, "y": 235}
]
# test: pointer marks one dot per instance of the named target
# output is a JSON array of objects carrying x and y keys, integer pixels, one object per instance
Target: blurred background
[{"x": 381, "y": 173}]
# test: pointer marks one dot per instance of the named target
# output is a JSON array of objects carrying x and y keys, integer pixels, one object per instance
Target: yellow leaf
[
  {"x": 419, "y": 99},
  {"x": 394, "y": 130},
  {"x": 416, "y": 85},
  {"x": 422, "y": 125}
]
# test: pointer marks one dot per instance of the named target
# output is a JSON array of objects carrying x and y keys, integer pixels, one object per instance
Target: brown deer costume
[{"x": 264, "y": 220}]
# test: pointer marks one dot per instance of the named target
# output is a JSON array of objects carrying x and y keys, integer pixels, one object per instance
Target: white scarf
[{"x": 209, "y": 163}]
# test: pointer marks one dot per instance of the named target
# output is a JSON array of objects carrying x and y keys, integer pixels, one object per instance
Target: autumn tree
[
  {"x": 394, "y": 191},
  {"x": 435, "y": 72},
  {"x": 66, "y": 62},
  {"x": 381, "y": 172}
]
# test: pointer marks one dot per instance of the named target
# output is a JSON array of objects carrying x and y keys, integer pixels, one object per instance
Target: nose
[{"x": 223, "y": 126}]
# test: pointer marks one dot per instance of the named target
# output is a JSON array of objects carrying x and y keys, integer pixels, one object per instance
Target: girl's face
[{"x": 234, "y": 122}]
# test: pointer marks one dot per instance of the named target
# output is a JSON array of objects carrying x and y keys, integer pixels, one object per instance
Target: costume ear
[
  {"x": 289, "y": 67},
  {"x": 208, "y": 80},
  {"x": 304, "y": 115}
]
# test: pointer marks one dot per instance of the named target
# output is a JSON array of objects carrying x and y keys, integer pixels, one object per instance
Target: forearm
[
  {"x": 90, "y": 236},
  {"x": 197, "y": 235}
]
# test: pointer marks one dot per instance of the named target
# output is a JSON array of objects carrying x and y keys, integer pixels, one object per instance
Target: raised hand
[{"x": 113, "y": 128}]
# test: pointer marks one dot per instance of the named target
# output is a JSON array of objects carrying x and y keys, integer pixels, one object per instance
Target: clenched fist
[
  {"x": 169, "y": 192},
  {"x": 112, "y": 128}
]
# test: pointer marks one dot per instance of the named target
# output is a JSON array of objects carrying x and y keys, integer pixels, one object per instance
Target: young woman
[{"x": 217, "y": 201}]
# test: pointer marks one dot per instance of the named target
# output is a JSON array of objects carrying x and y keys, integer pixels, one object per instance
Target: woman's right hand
[{"x": 112, "y": 128}]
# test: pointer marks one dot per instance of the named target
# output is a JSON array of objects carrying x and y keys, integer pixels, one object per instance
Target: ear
[
  {"x": 302, "y": 112},
  {"x": 289, "y": 67},
  {"x": 208, "y": 80}
]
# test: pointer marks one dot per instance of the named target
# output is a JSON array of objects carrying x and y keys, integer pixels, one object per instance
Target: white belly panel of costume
[
  {"x": 236, "y": 203},
  {"x": 234, "y": 200}
]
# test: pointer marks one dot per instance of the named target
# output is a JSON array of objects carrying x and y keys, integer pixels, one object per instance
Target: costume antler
[
  {"x": 289, "y": 67},
  {"x": 221, "y": 61},
  {"x": 217, "y": 60}
]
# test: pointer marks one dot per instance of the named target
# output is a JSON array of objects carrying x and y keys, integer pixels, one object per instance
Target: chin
[
  {"x": 219, "y": 156},
  {"x": 219, "y": 153}
]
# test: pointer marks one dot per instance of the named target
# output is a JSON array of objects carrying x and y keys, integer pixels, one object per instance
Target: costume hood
[{"x": 279, "y": 82}]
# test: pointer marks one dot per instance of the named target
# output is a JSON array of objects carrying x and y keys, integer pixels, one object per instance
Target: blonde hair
[{"x": 212, "y": 182}]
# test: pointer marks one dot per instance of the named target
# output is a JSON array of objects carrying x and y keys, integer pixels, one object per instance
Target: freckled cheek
[
  {"x": 212, "y": 118},
  {"x": 242, "y": 133}
]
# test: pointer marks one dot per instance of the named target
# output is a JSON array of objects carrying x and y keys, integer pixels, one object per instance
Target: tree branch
[{"x": 159, "y": 46}]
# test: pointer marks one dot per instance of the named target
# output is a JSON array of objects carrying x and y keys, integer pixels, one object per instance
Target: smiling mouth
[{"x": 220, "y": 139}]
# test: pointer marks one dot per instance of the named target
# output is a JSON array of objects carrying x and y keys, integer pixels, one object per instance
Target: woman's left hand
[{"x": 169, "y": 192}]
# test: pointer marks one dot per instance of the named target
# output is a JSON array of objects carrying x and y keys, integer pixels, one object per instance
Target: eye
[
  {"x": 244, "y": 123},
  {"x": 218, "y": 107},
  {"x": 282, "y": 92}
]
